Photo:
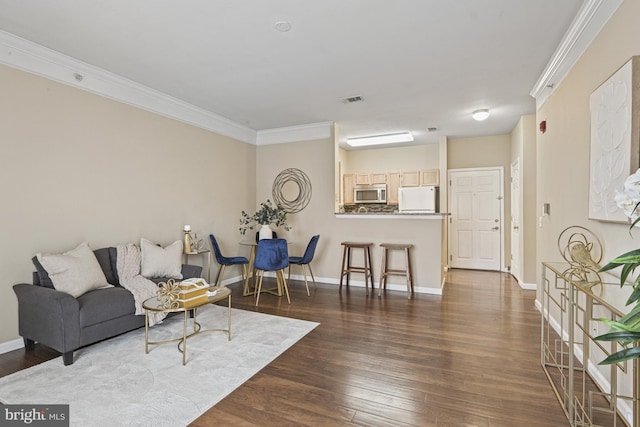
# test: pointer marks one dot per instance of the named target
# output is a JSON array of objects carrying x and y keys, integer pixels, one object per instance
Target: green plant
[
  {"x": 267, "y": 214},
  {"x": 626, "y": 330}
]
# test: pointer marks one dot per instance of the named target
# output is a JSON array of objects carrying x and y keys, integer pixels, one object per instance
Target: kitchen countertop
[{"x": 390, "y": 215}]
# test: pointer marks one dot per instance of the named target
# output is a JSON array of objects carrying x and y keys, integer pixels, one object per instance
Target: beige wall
[
  {"x": 523, "y": 148},
  {"x": 478, "y": 152},
  {"x": 341, "y": 163},
  {"x": 78, "y": 167},
  {"x": 392, "y": 159}
]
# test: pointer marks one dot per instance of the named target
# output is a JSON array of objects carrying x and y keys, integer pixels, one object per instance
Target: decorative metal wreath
[{"x": 303, "y": 197}]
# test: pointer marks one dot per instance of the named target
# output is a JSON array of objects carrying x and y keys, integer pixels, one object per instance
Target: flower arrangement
[
  {"x": 626, "y": 330},
  {"x": 267, "y": 214}
]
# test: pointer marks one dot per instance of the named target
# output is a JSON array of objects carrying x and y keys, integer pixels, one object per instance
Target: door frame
[
  {"x": 500, "y": 170},
  {"x": 516, "y": 204}
]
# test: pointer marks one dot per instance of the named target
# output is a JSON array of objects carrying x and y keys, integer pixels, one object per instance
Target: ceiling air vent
[
  {"x": 432, "y": 129},
  {"x": 352, "y": 99}
]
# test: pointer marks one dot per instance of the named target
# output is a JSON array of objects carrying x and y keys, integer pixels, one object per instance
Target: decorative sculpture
[
  {"x": 301, "y": 200},
  {"x": 583, "y": 251},
  {"x": 168, "y": 293}
]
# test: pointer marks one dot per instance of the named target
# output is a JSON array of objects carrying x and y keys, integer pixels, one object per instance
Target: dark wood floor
[{"x": 468, "y": 358}]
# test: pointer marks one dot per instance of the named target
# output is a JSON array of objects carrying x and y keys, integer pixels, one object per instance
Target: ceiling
[{"x": 416, "y": 63}]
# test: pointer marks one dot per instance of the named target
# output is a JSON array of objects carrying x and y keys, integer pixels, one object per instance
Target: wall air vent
[{"x": 352, "y": 99}]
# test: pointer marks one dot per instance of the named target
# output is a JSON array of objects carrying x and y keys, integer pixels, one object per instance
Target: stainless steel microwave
[{"x": 370, "y": 193}]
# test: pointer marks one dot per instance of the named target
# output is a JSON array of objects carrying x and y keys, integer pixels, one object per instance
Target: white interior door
[
  {"x": 476, "y": 206},
  {"x": 516, "y": 261}
]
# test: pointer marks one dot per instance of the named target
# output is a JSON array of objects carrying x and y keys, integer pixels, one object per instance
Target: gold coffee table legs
[{"x": 197, "y": 329}]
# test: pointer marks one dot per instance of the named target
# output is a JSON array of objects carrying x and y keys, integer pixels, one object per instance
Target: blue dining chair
[
  {"x": 227, "y": 261},
  {"x": 305, "y": 261},
  {"x": 272, "y": 255}
]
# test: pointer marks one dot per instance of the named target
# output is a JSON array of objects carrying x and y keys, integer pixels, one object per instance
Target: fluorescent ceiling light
[
  {"x": 480, "y": 115},
  {"x": 380, "y": 139}
]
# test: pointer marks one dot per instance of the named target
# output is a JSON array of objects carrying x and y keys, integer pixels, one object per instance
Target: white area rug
[{"x": 114, "y": 383}]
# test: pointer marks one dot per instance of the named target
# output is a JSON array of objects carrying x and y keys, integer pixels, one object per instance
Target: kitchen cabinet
[
  {"x": 420, "y": 178},
  {"x": 348, "y": 182},
  {"x": 430, "y": 177},
  {"x": 394, "y": 180},
  {"x": 371, "y": 178},
  {"x": 393, "y": 183},
  {"x": 410, "y": 179},
  {"x": 363, "y": 179},
  {"x": 378, "y": 178}
]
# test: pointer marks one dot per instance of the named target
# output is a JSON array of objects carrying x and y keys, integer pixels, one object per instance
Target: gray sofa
[{"x": 64, "y": 323}]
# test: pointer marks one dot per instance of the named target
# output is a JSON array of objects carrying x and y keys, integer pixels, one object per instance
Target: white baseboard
[
  {"x": 527, "y": 286},
  {"x": 360, "y": 284},
  {"x": 8, "y": 346},
  {"x": 538, "y": 305}
]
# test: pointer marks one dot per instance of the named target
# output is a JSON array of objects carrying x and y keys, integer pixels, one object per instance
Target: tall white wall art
[{"x": 615, "y": 145}]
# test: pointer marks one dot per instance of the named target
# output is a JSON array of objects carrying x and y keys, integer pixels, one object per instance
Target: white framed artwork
[{"x": 615, "y": 148}]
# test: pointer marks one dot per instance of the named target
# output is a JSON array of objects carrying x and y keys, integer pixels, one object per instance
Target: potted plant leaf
[
  {"x": 626, "y": 330},
  {"x": 268, "y": 214}
]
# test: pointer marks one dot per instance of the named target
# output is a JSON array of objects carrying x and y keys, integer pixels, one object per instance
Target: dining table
[{"x": 253, "y": 246}]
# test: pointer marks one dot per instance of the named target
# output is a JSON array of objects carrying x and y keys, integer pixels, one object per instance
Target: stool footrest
[
  {"x": 356, "y": 270},
  {"x": 394, "y": 272}
]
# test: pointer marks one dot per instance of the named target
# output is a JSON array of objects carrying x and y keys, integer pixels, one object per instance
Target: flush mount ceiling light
[
  {"x": 380, "y": 139},
  {"x": 282, "y": 26},
  {"x": 480, "y": 115}
]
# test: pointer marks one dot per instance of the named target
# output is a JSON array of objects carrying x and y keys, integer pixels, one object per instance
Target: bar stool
[
  {"x": 366, "y": 269},
  {"x": 386, "y": 271}
]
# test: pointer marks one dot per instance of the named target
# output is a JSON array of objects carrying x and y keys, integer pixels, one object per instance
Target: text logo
[{"x": 34, "y": 415}]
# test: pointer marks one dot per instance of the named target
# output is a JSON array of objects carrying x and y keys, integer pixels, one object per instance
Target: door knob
[
  {"x": 515, "y": 227},
  {"x": 496, "y": 228}
]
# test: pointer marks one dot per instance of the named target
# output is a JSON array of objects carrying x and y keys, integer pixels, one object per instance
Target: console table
[
  {"x": 572, "y": 306},
  {"x": 207, "y": 256}
]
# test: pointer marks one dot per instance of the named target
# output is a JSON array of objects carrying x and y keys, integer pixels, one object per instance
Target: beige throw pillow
[
  {"x": 74, "y": 272},
  {"x": 161, "y": 262}
]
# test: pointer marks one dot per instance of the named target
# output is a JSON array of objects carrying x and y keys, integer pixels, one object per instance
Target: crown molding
[
  {"x": 309, "y": 132},
  {"x": 19, "y": 53},
  {"x": 591, "y": 18}
]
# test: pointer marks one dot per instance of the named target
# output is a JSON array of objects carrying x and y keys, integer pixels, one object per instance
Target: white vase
[{"x": 265, "y": 232}]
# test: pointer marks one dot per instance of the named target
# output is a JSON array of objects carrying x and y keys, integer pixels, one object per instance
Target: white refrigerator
[{"x": 418, "y": 199}]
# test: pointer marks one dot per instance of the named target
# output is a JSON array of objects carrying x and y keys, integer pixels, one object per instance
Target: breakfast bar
[{"x": 425, "y": 231}]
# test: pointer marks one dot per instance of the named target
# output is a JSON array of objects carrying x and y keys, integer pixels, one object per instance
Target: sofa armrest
[
  {"x": 191, "y": 271},
  {"x": 48, "y": 316}
]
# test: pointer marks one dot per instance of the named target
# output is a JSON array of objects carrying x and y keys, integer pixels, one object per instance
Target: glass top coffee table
[{"x": 156, "y": 305}]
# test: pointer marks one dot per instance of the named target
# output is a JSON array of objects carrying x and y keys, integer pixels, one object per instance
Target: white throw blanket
[{"x": 128, "y": 267}]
